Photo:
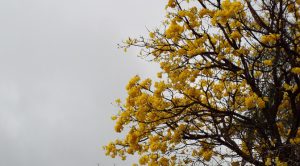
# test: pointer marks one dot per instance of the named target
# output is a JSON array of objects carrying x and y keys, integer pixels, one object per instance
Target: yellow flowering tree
[{"x": 227, "y": 91}]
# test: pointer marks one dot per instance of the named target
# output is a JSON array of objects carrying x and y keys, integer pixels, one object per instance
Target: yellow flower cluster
[
  {"x": 268, "y": 161},
  {"x": 132, "y": 82},
  {"x": 207, "y": 155},
  {"x": 174, "y": 31},
  {"x": 295, "y": 140},
  {"x": 171, "y": 3},
  {"x": 253, "y": 101},
  {"x": 208, "y": 58},
  {"x": 288, "y": 87},
  {"x": 245, "y": 148},
  {"x": 296, "y": 70},
  {"x": 269, "y": 39},
  {"x": 160, "y": 87},
  {"x": 192, "y": 15},
  {"x": 268, "y": 62},
  {"x": 152, "y": 34},
  {"x": 236, "y": 35},
  {"x": 111, "y": 148},
  {"x": 229, "y": 10},
  {"x": 277, "y": 162},
  {"x": 204, "y": 12},
  {"x": 144, "y": 160}
]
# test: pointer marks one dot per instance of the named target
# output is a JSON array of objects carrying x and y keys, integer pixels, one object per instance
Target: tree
[{"x": 228, "y": 89}]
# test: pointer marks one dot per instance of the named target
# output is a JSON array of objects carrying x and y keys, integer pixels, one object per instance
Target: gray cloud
[{"x": 60, "y": 70}]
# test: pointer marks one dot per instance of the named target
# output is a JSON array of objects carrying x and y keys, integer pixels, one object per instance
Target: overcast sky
[{"x": 60, "y": 70}]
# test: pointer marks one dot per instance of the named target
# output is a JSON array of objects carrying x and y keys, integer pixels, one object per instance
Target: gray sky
[{"x": 60, "y": 70}]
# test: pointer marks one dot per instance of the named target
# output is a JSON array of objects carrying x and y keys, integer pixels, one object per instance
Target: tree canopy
[{"x": 228, "y": 89}]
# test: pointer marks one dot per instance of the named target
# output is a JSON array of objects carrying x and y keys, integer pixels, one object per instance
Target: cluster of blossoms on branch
[{"x": 228, "y": 90}]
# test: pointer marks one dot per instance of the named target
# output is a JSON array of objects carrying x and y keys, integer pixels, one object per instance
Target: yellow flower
[
  {"x": 118, "y": 127},
  {"x": 171, "y": 3},
  {"x": 261, "y": 103},
  {"x": 174, "y": 30},
  {"x": 268, "y": 162},
  {"x": 207, "y": 155},
  {"x": 203, "y": 12},
  {"x": 296, "y": 70},
  {"x": 269, "y": 39},
  {"x": 250, "y": 102},
  {"x": 163, "y": 161},
  {"x": 264, "y": 39},
  {"x": 236, "y": 35},
  {"x": 295, "y": 140},
  {"x": 144, "y": 160},
  {"x": 132, "y": 82},
  {"x": 113, "y": 117},
  {"x": 151, "y": 34},
  {"x": 159, "y": 75},
  {"x": 279, "y": 163},
  {"x": 268, "y": 62},
  {"x": 118, "y": 101}
]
